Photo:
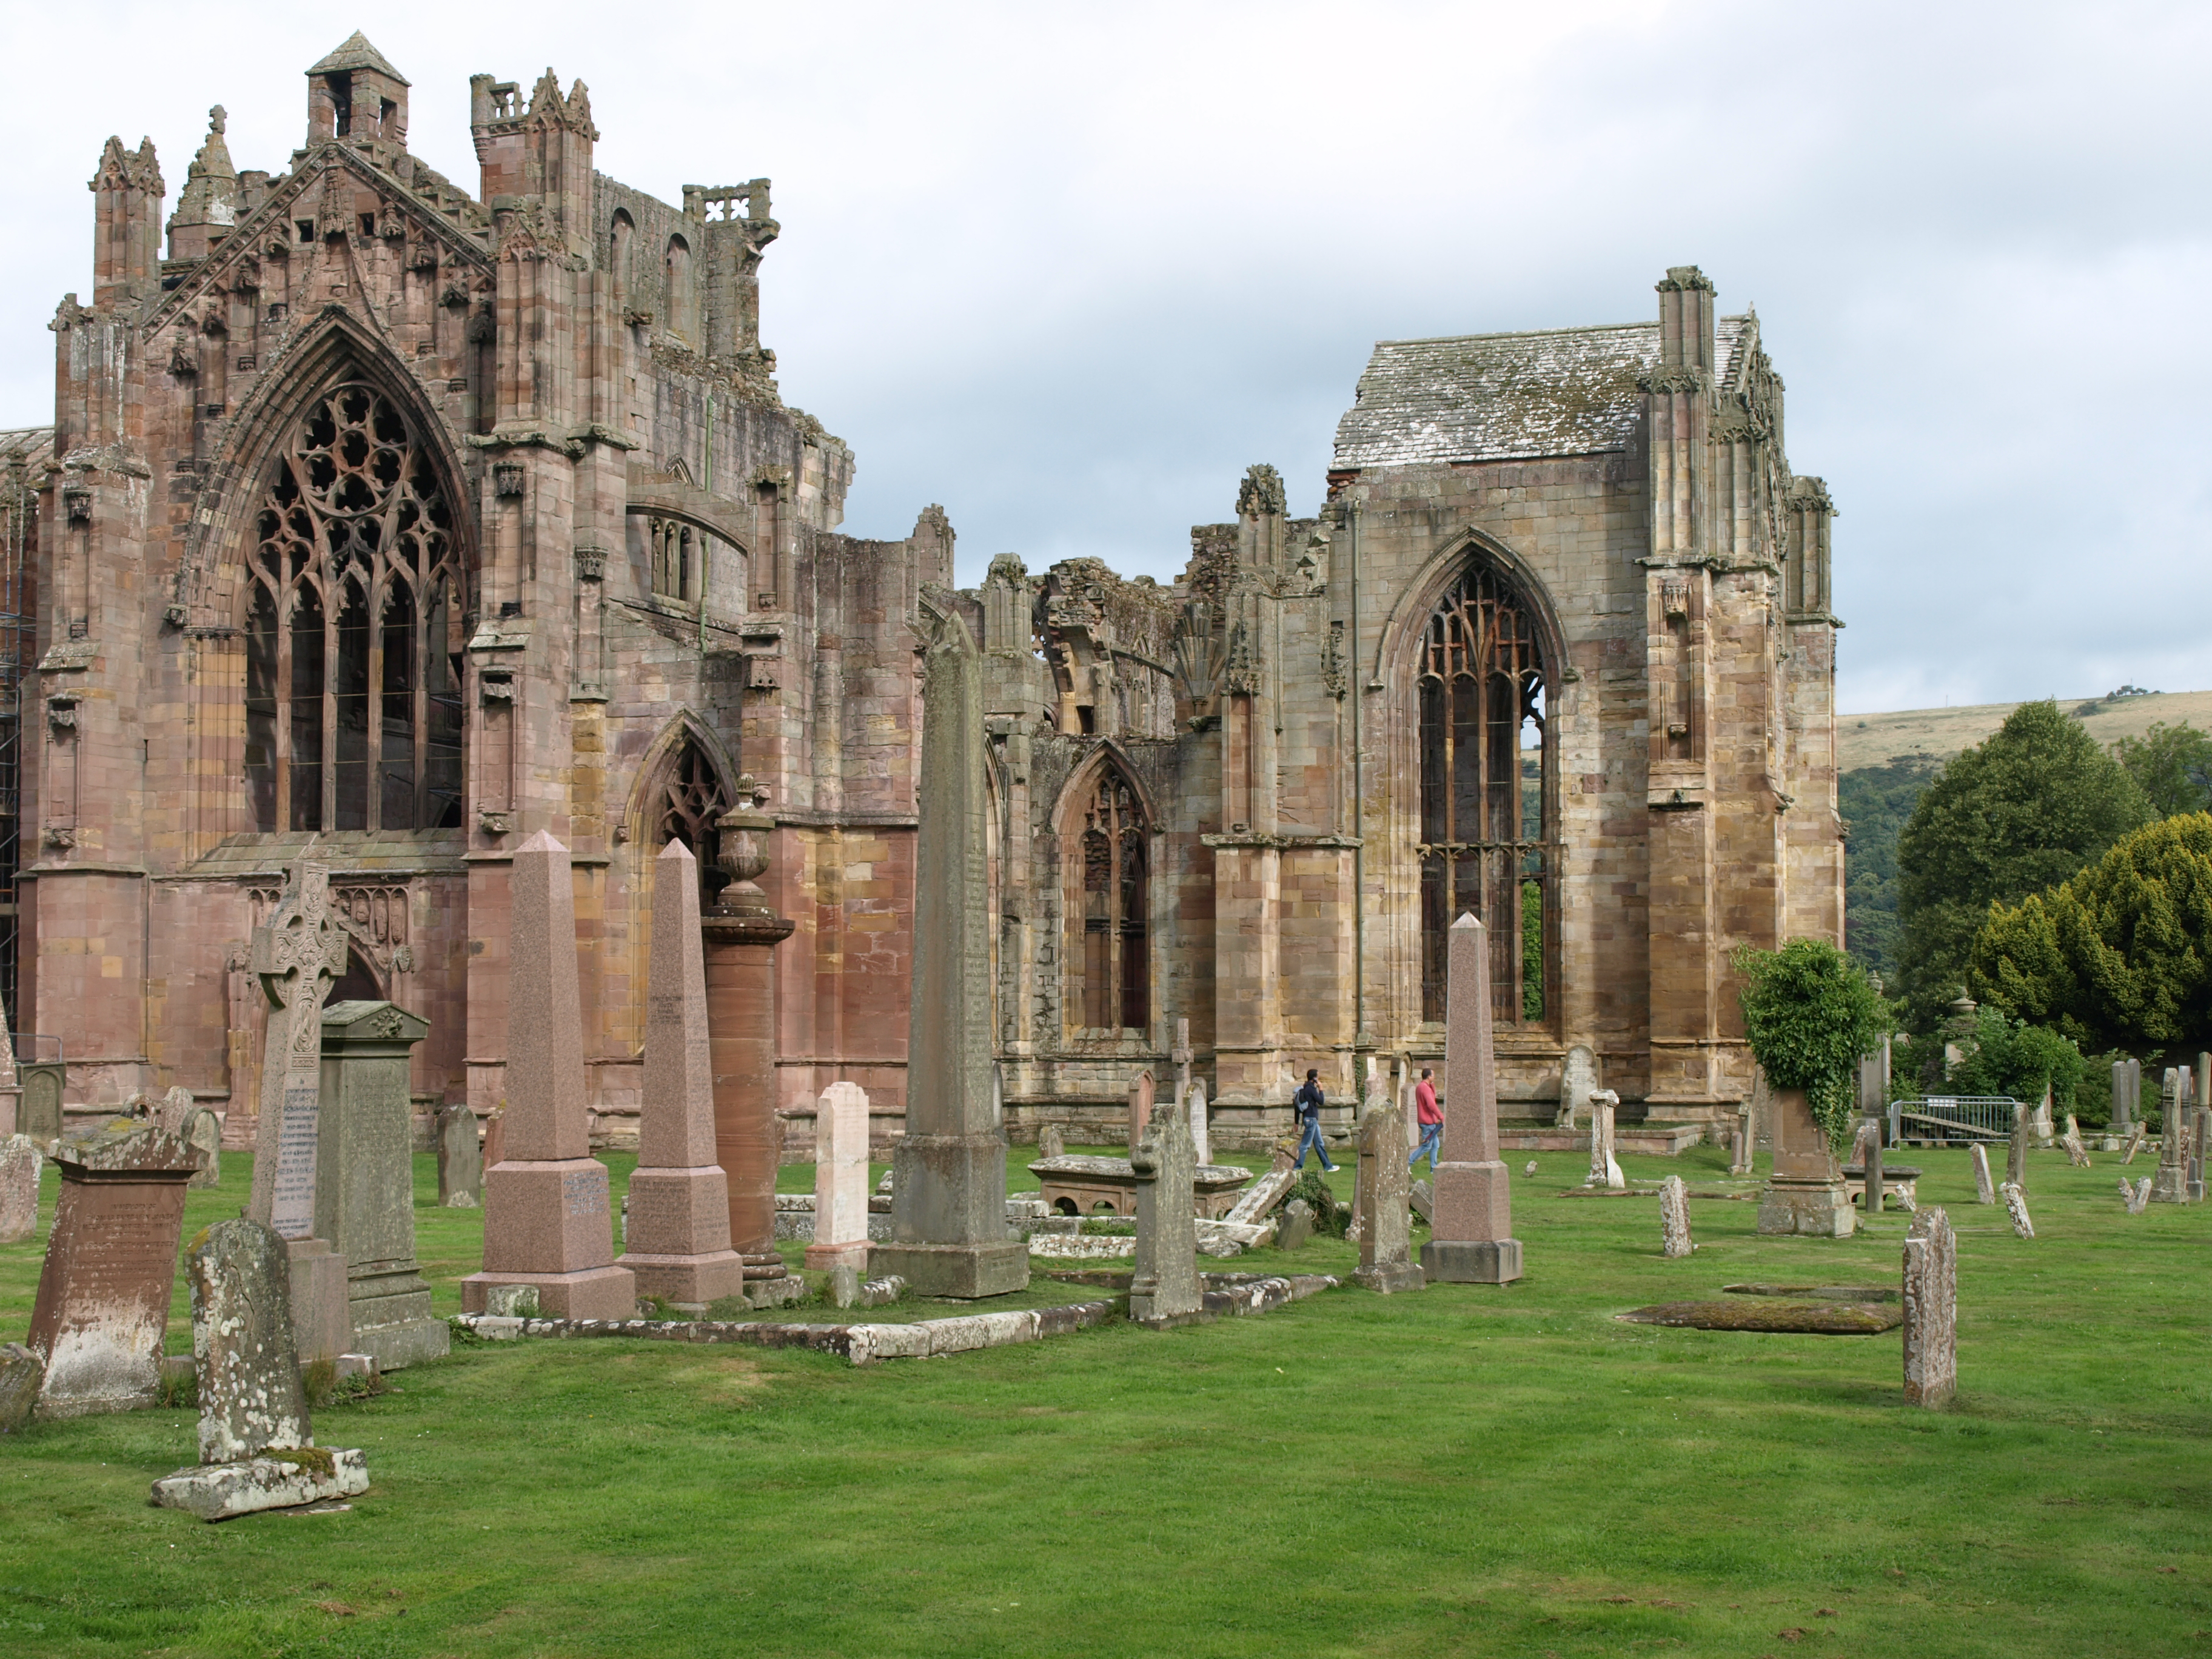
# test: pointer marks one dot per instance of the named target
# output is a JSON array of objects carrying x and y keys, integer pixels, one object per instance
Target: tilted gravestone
[
  {"x": 364, "y": 1180},
  {"x": 1386, "y": 1261},
  {"x": 256, "y": 1451},
  {"x": 2015, "y": 1203},
  {"x": 1986, "y": 1190},
  {"x": 1164, "y": 1286},
  {"x": 20, "y": 1163},
  {"x": 2136, "y": 1195},
  {"x": 1674, "y": 1218},
  {"x": 461, "y": 1158},
  {"x": 1931, "y": 1310},
  {"x": 103, "y": 1302}
]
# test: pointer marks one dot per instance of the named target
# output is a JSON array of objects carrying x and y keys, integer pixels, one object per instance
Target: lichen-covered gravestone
[
  {"x": 1577, "y": 1083},
  {"x": 1674, "y": 1218},
  {"x": 203, "y": 1132},
  {"x": 20, "y": 1163},
  {"x": 1386, "y": 1261},
  {"x": 111, "y": 1263},
  {"x": 1297, "y": 1226},
  {"x": 256, "y": 1451},
  {"x": 2015, "y": 1203},
  {"x": 1931, "y": 1304},
  {"x": 1986, "y": 1190},
  {"x": 461, "y": 1158},
  {"x": 1164, "y": 1287},
  {"x": 1051, "y": 1143},
  {"x": 1201, "y": 1133},
  {"x": 2136, "y": 1195}
]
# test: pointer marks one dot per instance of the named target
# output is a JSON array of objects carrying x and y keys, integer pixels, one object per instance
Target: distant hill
[
  {"x": 1940, "y": 733},
  {"x": 1887, "y": 760}
]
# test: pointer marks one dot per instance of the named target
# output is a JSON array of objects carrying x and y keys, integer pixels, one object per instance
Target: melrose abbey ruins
[{"x": 414, "y": 520}]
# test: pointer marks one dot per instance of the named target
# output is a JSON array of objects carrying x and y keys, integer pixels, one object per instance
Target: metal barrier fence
[{"x": 1953, "y": 1120}]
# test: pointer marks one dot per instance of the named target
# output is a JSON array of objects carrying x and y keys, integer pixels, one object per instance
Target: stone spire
[
  {"x": 1471, "y": 1240},
  {"x": 207, "y": 205}
]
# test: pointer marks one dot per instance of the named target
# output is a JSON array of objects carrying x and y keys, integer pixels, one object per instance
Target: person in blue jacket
[{"x": 1309, "y": 1102}]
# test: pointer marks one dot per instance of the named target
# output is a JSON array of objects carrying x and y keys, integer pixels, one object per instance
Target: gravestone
[
  {"x": 297, "y": 956},
  {"x": 2134, "y": 1145},
  {"x": 1421, "y": 1197},
  {"x": 2015, "y": 1203},
  {"x": 494, "y": 1140},
  {"x": 11, "y": 1087},
  {"x": 949, "y": 1208},
  {"x": 1180, "y": 1057},
  {"x": 38, "y": 1110},
  {"x": 1740, "y": 1149},
  {"x": 461, "y": 1158},
  {"x": 2121, "y": 1114},
  {"x": 1986, "y": 1190},
  {"x": 841, "y": 1181},
  {"x": 1577, "y": 1083},
  {"x": 1140, "y": 1105},
  {"x": 111, "y": 1263},
  {"x": 2016, "y": 1150},
  {"x": 1471, "y": 1239},
  {"x": 2076, "y": 1153},
  {"x": 21, "y": 1370},
  {"x": 1805, "y": 1195},
  {"x": 256, "y": 1451},
  {"x": 1604, "y": 1166},
  {"x": 2200, "y": 1133},
  {"x": 548, "y": 1220},
  {"x": 1869, "y": 1134},
  {"x": 1051, "y": 1143},
  {"x": 1386, "y": 1260},
  {"x": 20, "y": 1163},
  {"x": 1201, "y": 1133},
  {"x": 203, "y": 1132},
  {"x": 2136, "y": 1195},
  {"x": 1296, "y": 1225},
  {"x": 1675, "y": 1219},
  {"x": 676, "y": 1239},
  {"x": 364, "y": 1180},
  {"x": 1931, "y": 1310},
  {"x": 1164, "y": 1288},
  {"x": 1266, "y": 1191},
  {"x": 1873, "y": 1168},
  {"x": 2170, "y": 1182}
]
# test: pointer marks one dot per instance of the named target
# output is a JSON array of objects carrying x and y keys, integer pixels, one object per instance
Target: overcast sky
[{"x": 1069, "y": 270}]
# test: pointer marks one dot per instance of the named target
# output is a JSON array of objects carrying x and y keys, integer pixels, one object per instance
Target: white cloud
[{"x": 1069, "y": 270}]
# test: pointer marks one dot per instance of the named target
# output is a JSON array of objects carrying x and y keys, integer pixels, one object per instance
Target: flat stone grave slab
[
  {"x": 1774, "y": 1314},
  {"x": 1818, "y": 1293},
  {"x": 1076, "y": 1183}
]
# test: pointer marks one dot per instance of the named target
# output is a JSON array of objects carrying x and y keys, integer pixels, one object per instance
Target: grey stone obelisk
[
  {"x": 949, "y": 1203},
  {"x": 1469, "y": 1240}
]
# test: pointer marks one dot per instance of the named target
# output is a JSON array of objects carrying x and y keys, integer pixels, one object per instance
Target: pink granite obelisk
[
  {"x": 678, "y": 1237},
  {"x": 547, "y": 1221},
  {"x": 1470, "y": 1239}
]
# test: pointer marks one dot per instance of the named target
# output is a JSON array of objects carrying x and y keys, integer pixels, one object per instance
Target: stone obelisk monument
[
  {"x": 1470, "y": 1240},
  {"x": 678, "y": 1236},
  {"x": 547, "y": 1221},
  {"x": 297, "y": 955},
  {"x": 949, "y": 1195}
]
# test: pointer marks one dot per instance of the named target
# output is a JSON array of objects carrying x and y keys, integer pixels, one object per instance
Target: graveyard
[{"x": 1475, "y": 1468}]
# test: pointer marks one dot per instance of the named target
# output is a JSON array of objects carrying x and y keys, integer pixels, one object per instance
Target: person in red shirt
[{"x": 1431, "y": 1117}]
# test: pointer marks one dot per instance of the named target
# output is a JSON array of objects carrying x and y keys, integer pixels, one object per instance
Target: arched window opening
[
  {"x": 677, "y": 559},
  {"x": 1485, "y": 833},
  {"x": 679, "y": 287},
  {"x": 618, "y": 247},
  {"x": 1114, "y": 988},
  {"x": 353, "y": 623},
  {"x": 690, "y": 798}
]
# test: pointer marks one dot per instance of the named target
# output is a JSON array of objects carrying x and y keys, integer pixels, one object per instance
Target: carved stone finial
[{"x": 216, "y": 120}]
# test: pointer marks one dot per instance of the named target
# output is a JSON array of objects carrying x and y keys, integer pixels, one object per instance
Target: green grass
[{"x": 1468, "y": 1469}]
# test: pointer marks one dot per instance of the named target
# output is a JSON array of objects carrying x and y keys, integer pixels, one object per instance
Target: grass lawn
[{"x": 1468, "y": 1469}]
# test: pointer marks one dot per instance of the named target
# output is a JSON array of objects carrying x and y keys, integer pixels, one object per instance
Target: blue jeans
[
  {"x": 1432, "y": 1142},
  {"x": 1312, "y": 1139}
]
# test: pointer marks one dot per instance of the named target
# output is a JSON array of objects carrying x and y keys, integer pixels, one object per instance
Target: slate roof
[{"x": 1507, "y": 397}]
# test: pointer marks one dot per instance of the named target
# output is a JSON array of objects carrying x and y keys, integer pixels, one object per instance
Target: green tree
[
  {"x": 2119, "y": 957},
  {"x": 2172, "y": 766},
  {"x": 2011, "y": 1057},
  {"x": 1876, "y": 801},
  {"x": 2021, "y": 812},
  {"x": 1809, "y": 1012}
]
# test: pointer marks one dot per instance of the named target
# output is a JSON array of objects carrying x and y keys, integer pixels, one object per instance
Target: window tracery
[
  {"x": 1113, "y": 908},
  {"x": 355, "y": 598},
  {"x": 1486, "y": 833}
]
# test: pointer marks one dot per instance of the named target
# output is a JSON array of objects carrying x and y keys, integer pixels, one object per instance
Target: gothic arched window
[
  {"x": 685, "y": 806},
  {"x": 1485, "y": 756},
  {"x": 354, "y": 602},
  {"x": 1112, "y": 988}
]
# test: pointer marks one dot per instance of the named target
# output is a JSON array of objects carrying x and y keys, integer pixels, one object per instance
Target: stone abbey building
[{"x": 410, "y": 521}]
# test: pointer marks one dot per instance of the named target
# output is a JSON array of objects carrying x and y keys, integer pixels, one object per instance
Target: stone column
[
  {"x": 741, "y": 934},
  {"x": 1604, "y": 1165},
  {"x": 547, "y": 1219},
  {"x": 1931, "y": 1310},
  {"x": 1164, "y": 1289},
  {"x": 677, "y": 1241},
  {"x": 1470, "y": 1237},
  {"x": 1805, "y": 1194},
  {"x": 949, "y": 1197},
  {"x": 103, "y": 1301},
  {"x": 364, "y": 1180}
]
